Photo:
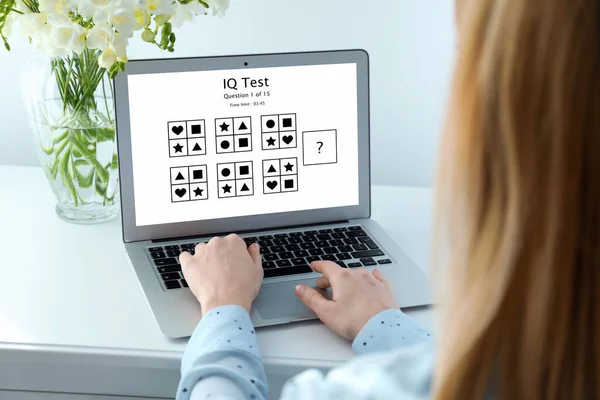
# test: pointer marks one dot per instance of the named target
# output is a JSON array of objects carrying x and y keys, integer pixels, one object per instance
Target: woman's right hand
[{"x": 358, "y": 295}]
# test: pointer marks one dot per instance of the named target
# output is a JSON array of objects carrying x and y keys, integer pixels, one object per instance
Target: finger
[
  {"x": 379, "y": 276},
  {"x": 323, "y": 283},
  {"x": 185, "y": 258},
  {"x": 254, "y": 251},
  {"x": 314, "y": 300},
  {"x": 199, "y": 247},
  {"x": 235, "y": 238},
  {"x": 215, "y": 240},
  {"x": 327, "y": 268}
]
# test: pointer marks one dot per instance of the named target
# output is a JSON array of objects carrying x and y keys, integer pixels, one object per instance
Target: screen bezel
[{"x": 132, "y": 233}]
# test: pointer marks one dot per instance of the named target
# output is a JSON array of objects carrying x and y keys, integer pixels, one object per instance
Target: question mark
[{"x": 320, "y": 146}]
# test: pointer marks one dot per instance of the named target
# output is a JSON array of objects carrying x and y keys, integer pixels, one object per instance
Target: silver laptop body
[{"x": 274, "y": 147}]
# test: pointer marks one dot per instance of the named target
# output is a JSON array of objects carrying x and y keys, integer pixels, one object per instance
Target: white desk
[{"x": 73, "y": 318}]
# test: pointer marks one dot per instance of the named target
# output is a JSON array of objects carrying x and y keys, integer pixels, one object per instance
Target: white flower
[
  {"x": 218, "y": 6},
  {"x": 186, "y": 12},
  {"x": 99, "y": 37},
  {"x": 78, "y": 39},
  {"x": 55, "y": 6},
  {"x": 122, "y": 19},
  {"x": 119, "y": 45},
  {"x": 103, "y": 37},
  {"x": 98, "y": 10},
  {"x": 69, "y": 37},
  {"x": 107, "y": 58},
  {"x": 160, "y": 7},
  {"x": 30, "y": 24},
  {"x": 141, "y": 17},
  {"x": 41, "y": 37}
]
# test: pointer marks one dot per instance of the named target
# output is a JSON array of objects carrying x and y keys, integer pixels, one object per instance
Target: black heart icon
[
  {"x": 177, "y": 129},
  {"x": 287, "y": 139},
  {"x": 272, "y": 184},
  {"x": 181, "y": 192}
]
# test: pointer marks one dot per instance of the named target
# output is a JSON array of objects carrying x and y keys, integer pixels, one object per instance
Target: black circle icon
[
  {"x": 270, "y": 124},
  {"x": 225, "y": 144},
  {"x": 226, "y": 172}
]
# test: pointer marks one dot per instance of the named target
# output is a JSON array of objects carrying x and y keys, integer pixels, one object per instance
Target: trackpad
[{"x": 278, "y": 300}]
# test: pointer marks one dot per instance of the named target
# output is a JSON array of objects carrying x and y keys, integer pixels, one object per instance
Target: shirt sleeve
[
  {"x": 389, "y": 330},
  {"x": 222, "y": 360},
  {"x": 395, "y": 360}
]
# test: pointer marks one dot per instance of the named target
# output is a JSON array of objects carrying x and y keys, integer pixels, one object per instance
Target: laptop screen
[{"x": 242, "y": 142}]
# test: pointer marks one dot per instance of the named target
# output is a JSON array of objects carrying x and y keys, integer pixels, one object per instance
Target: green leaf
[
  {"x": 66, "y": 179},
  {"x": 80, "y": 163},
  {"x": 61, "y": 137},
  {"x": 101, "y": 186},
  {"x": 106, "y": 134},
  {"x": 85, "y": 181},
  {"x": 47, "y": 150},
  {"x": 54, "y": 168},
  {"x": 115, "y": 161},
  {"x": 102, "y": 173}
]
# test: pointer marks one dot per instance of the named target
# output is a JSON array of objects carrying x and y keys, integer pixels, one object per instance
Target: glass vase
[{"x": 69, "y": 104}]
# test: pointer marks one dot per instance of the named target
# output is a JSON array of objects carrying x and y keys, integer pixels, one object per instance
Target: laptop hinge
[{"x": 265, "y": 230}]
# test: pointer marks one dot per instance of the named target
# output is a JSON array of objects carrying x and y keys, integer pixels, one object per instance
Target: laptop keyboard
[{"x": 286, "y": 253}]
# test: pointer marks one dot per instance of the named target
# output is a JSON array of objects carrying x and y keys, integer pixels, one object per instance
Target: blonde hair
[{"x": 518, "y": 199}]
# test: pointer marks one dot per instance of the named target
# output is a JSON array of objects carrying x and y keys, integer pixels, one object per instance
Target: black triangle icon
[
  {"x": 271, "y": 170},
  {"x": 244, "y": 188},
  {"x": 243, "y": 126},
  {"x": 197, "y": 147},
  {"x": 179, "y": 177}
]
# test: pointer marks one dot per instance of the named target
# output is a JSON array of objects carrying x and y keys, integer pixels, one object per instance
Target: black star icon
[
  {"x": 271, "y": 141},
  {"x": 289, "y": 167},
  {"x": 198, "y": 192},
  {"x": 224, "y": 127},
  {"x": 178, "y": 148},
  {"x": 226, "y": 188}
]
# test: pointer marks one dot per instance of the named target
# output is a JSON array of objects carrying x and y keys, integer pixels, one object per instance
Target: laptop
[{"x": 273, "y": 147}]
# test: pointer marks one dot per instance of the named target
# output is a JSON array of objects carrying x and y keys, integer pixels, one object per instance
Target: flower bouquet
[{"x": 68, "y": 91}]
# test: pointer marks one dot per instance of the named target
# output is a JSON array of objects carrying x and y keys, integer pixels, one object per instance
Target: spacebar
[
  {"x": 300, "y": 269},
  {"x": 367, "y": 253}
]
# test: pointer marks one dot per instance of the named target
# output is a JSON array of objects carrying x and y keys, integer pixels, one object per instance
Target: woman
[{"x": 519, "y": 218}]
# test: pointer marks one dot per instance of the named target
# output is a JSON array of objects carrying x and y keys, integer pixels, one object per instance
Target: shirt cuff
[
  {"x": 222, "y": 328},
  {"x": 390, "y": 329}
]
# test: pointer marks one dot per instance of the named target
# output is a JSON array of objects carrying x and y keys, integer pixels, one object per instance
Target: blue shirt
[{"x": 395, "y": 361}]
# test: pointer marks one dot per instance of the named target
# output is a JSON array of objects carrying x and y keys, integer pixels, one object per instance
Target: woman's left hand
[{"x": 223, "y": 272}]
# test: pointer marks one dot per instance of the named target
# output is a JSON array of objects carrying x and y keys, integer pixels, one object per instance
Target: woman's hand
[
  {"x": 358, "y": 295},
  {"x": 223, "y": 272}
]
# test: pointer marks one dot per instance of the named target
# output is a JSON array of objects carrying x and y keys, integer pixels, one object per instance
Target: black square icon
[
  {"x": 287, "y": 123},
  {"x": 244, "y": 170},
  {"x": 196, "y": 129},
  {"x": 198, "y": 175},
  {"x": 288, "y": 184},
  {"x": 243, "y": 142}
]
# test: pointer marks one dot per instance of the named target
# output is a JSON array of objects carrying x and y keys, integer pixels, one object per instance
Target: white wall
[{"x": 411, "y": 46}]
